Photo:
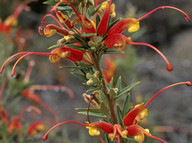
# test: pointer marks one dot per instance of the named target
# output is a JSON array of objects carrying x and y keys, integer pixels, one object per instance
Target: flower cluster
[{"x": 91, "y": 33}]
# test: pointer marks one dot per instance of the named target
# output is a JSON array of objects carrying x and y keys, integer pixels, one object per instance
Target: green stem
[{"x": 104, "y": 89}]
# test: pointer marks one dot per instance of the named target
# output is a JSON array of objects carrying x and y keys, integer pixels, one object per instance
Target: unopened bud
[
  {"x": 88, "y": 76},
  {"x": 91, "y": 43},
  {"x": 96, "y": 74},
  {"x": 90, "y": 82}
]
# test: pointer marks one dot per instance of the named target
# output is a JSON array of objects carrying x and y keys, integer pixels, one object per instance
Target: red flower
[
  {"x": 129, "y": 121},
  {"x": 65, "y": 52},
  {"x": 56, "y": 55},
  {"x": 117, "y": 40}
]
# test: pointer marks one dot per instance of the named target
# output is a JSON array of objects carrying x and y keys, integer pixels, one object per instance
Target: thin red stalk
[
  {"x": 88, "y": 110},
  {"x": 188, "y": 83},
  {"x": 19, "y": 9},
  {"x": 162, "y": 7},
  {"x": 110, "y": 2},
  {"x": 53, "y": 87},
  {"x": 46, "y": 135},
  {"x": 39, "y": 30},
  {"x": 156, "y": 138},
  {"x": 13, "y": 69},
  {"x": 43, "y": 20},
  {"x": 102, "y": 141},
  {"x": 118, "y": 139},
  {"x": 96, "y": 3},
  {"x": 32, "y": 53},
  {"x": 27, "y": 109},
  {"x": 169, "y": 66},
  {"x": 10, "y": 59}
]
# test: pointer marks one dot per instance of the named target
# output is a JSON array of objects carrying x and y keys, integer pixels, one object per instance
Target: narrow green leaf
[
  {"x": 81, "y": 41},
  {"x": 64, "y": 8},
  {"x": 94, "y": 10},
  {"x": 107, "y": 139},
  {"x": 126, "y": 104},
  {"x": 97, "y": 20},
  {"x": 87, "y": 35},
  {"x": 113, "y": 23},
  {"x": 119, "y": 115},
  {"x": 79, "y": 76},
  {"x": 81, "y": 48},
  {"x": 126, "y": 89},
  {"x": 54, "y": 46},
  {"x": 71, "y": 67},
  {"x": 118, "y": 83},
  {"x": 94, "y": 110},
  {"x": 112, "y": 51},
  {"x": 93, "y": 89},
  {"x": 100, "y": 115},
  {"x": 110, "y": 85}
]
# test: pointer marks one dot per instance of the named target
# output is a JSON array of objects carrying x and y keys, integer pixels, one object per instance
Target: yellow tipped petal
[
  {"x": 133, "y": 26},
  {"x": 113, "y": 13},
  {"x": 94, "y": 132}
]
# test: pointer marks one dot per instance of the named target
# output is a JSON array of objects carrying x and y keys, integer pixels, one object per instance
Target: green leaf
[
  {"x": 126, "y": 105},
  {"x": 97, "y": 20},
  {"x": 54, "y": 46},
  {"x": 87, "y": 35},
  {"x": 81, "y": 41},
  {"x": 94, "y": 10},
  {"x": 51, "y": 2},
  {"x": 93, "y": 89},
  {"x": 79, "y": 76},
  {"x": 113, "y": 23},
  {"x": 126, "y": 89},
  {"x": 100, "y": 115},
  {"x": 64, "y": 8},
  {"x": 81, "y": 48},
  {"x": 118, "y": 83},
  {"x": 112, "y": 51},
  {"x": 107, "y": 139},
  {"x": 110, "y": 85},
  {"x": 94, "y": 110},
  {"x": 119, "y": 115}
]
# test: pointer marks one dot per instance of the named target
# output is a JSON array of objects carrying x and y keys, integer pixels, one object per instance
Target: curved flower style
[
  {"x": 55, "y": 56},
  {"x": 130, "y": 122}
]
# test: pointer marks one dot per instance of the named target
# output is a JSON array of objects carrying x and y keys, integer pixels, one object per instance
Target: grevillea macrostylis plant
[{"x": 92, "y": 32}]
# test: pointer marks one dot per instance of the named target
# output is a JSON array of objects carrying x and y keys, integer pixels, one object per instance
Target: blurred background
[{"x": 170, "y": 113}]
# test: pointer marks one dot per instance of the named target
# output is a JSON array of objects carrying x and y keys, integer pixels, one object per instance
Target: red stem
[
  {"x": 27, "y": 109},
  {"x": 50, "y": 15},
  {"x": 26, "y": 53},
  {"x": 156, "y": 138},
  {"x": 46, "y": 135},
  {"x": 162, "y": 7},
  {"x": 169, "y": 66},
  {"x": 188, "y": 83}
]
